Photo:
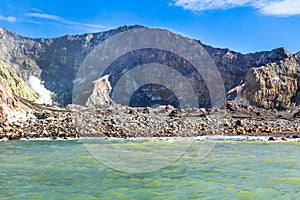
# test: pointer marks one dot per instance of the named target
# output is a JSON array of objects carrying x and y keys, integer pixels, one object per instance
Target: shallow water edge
[{"x": 198, "y": 138}]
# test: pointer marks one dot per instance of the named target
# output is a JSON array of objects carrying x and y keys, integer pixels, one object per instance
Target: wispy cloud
[
  {"x": 8, "y": 19},
  {"x": 281, "y": 8},
  {"x": 58, "y": 19}
]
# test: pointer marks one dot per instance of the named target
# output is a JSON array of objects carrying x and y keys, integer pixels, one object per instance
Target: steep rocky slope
[
  {"x": 14, "y": 84},
  {"x": 56, "y": 62},
  {"x": 11, "y": 109},
  {"x": 12, "y": 88}
]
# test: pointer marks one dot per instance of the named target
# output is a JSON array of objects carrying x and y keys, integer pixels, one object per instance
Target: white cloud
[
  {"x": 95, "y": 27},
  {"x": 9, "y": 18},
  {"x": 45, "y": 16},
  {"x": 201, "y": 5},
  {"x": 282, "y": 8},
  {"x": 266, "y": 7}
]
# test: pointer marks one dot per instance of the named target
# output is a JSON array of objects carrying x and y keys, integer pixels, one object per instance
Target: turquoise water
[{"x": 233, "y": 170}]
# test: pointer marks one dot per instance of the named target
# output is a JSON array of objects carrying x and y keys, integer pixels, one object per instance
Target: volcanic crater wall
[{"x": 268, "y": 79}]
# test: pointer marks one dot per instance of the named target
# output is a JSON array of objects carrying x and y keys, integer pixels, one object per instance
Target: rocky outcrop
[
  {"x": 56, "y": 62},
  {"x": 12, "y": 89},
  {"x": 11, "y": 109},
  {"x": 14, "y": 84},
  {"x": 234, "y": 66},
  {"x": 274, "y": 85},
  {"x": 20, "y": 53},
  {"x": 297, "y": 55},
  {"x": 100, "y": 97}
]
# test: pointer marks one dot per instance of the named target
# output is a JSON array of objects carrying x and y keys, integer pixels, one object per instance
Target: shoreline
[
  {"x": 235, "y": 120},
  {"x": 217, "y": 138}
]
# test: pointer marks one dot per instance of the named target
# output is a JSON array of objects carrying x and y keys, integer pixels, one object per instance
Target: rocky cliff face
[
  {"x": 267, "y": 79},
  {"x": 275, "y": 85},
  {"x": 55, "y": 61},
  {"x": 14, "y": 84},
  {"x": 11, "y": 108},
  {"x": 20, "y": 53},
  {"x": 12, "y": 87}
]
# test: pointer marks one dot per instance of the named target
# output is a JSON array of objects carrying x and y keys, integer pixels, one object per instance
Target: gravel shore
[{"x": 164, "y": 121}]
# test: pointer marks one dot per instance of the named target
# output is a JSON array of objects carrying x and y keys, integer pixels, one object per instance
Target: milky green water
[{"x": 233, "y": 170}]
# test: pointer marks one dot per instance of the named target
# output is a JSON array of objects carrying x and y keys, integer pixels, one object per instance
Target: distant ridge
[{"x": 268, "y": 79}]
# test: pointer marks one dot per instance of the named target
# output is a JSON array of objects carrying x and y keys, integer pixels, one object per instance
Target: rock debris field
[{"x": 164, "y": 121}]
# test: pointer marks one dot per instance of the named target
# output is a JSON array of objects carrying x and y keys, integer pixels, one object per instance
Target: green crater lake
[{"x": 232, "y": 170}]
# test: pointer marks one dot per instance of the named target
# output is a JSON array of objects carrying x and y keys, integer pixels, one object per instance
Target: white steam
[{"x": 37, "y": 85}]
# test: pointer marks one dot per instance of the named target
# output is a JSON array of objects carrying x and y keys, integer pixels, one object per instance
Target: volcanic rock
[
  {"x": 100, "y": 97},
  {"x": 268, "y": 79},
  {"x": 275, "y": 85}
]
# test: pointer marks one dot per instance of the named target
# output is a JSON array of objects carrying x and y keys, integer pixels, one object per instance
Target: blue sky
[{"x": 241, "y": 25}]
